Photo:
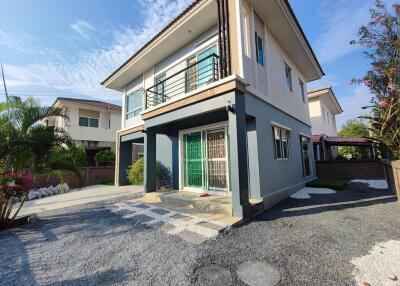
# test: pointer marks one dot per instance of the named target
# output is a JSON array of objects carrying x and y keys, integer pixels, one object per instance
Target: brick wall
[
  {"x": 92, "y": 175},
  {"x": 352, "y": 169}
]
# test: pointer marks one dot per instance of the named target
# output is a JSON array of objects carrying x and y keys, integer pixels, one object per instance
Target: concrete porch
[{"x": 212, "y": 207}]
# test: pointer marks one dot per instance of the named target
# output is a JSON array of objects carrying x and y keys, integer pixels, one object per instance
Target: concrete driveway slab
[{"x": 78, "y": 197}]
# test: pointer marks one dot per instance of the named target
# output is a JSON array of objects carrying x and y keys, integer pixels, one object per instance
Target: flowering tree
[
  {"x": 13, "y": 188},
  {"x": 381, "y": 39}
]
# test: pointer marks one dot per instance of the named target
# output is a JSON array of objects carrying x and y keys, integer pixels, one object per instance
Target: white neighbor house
[
  {"x": 323, "y": 107},
  {"x": 92, "y": 124}
]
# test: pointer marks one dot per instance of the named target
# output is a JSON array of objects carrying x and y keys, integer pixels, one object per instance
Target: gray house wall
[
  {"x": 250, "y": 119},
  {"x": 272, "y": 179}
]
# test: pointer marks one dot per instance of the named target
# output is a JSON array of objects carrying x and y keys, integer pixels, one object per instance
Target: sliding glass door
[{"x": 205, "y": 162}]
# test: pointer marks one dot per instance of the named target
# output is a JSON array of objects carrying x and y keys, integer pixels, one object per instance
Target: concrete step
[{"x": 187, "y": 200}]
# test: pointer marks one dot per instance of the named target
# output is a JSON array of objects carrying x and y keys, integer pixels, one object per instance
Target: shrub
[
  {"x": 330, "y": 184},
  {"x": 105, "y": 158},
  {"x": 135, "y": 172}
]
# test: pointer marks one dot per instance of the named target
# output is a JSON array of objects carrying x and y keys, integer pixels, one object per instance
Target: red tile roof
[{"x": 96, "y": 103}]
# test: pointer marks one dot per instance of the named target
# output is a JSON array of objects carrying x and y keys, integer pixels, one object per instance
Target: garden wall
[
  {"x": 392, "y": 174},
  {"x": 92, "y": 175},
  {"x": 351, "y": 169}
]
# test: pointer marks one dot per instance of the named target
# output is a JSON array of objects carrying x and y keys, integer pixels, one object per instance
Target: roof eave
[
  {"x": 108, "y": 81},
  {"x": 313, "y": 58}
]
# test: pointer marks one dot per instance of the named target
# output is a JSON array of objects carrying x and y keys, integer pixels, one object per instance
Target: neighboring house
[
  {"x": 219, "y": 98},
  {"x": 92, "y": 124},
  {"x": 324, "y": 107}
]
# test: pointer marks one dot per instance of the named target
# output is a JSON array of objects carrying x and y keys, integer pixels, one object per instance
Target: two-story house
[
  {"x": 219, "y": 98},
  {"x": 92, "y": 124},
  {"x": 324, "y": 107}
]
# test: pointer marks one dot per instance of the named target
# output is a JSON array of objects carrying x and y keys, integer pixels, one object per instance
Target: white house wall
[
  {"x": 322, "y": 124},
  {"x": 269, "y": 82},
  {"x": 102, "y": 133}
]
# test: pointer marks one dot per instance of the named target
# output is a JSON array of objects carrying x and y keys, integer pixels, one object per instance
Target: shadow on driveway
[{"x": 356, "y": 195}]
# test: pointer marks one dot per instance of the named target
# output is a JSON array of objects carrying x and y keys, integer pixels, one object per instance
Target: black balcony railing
[{"x": 195, "y": 76}]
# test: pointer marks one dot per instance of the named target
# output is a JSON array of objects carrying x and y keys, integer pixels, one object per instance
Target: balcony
[{"x": 194, "y": 76}]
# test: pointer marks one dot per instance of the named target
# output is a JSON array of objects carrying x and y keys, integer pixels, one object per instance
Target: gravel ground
[{"x": 310, "y": 242}]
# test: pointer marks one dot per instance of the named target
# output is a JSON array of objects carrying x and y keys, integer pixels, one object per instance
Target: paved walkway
[
  {"x": 78, "y": 197},
  {"x": 188, "y": 227}
]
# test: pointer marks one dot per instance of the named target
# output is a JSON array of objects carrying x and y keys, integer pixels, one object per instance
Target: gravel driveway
[{"x": 310, "y": 242}]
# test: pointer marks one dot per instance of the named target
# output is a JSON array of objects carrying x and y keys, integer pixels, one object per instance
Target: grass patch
[
  {"x": 108, "y": 183},
  {"x": 329, "y": 184}
]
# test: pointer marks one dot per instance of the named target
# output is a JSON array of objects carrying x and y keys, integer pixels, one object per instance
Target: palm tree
[{"x": 25, "y": 142}]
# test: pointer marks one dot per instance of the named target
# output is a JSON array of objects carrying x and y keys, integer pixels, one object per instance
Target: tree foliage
[
  {"x": 25, "y": 142},
  {"x": 354, "y": 128},
  {"x": 381, "y": 39},
  {"x": 105, "y": 158},
  {"x": 135, "y": 173}
]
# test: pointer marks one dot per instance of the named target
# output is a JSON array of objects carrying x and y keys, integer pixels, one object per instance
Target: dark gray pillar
[
  {"x": 175, "y": 161},
  {"x": 150, "y": 161},
  {"x": 253, "y": 158},
  {"x": 125, "y": 160},
  {"x": 238, "y": 158}
]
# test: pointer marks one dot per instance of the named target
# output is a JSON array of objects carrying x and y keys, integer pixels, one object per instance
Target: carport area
[{"x": 326, "y": 147}]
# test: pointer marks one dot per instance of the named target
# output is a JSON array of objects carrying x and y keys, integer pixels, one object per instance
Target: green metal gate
[
  {"x": 205, "y": 160},
  {"x": 193, "y": 160}
]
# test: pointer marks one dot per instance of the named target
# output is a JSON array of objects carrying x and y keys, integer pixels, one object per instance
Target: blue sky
[{"x": 66, "y": 47}]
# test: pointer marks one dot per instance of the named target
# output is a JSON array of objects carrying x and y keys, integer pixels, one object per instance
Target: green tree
[
  {"x": 381, "y": 39},
  {"x": 353, "y": 128},
  {"x": 25, "y": 142}
]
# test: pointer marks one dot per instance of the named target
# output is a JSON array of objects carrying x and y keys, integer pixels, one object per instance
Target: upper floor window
[
  {"x": 160, "y": 88},
  {"x": 281, "y": 142},
  {"x": 88, "y": 121},
  {"x": 134, "y": 103},
  {"x": 302, "y": 93},
  {"x": 259, "y": 49},
  {"x": 288, "y": 77}
]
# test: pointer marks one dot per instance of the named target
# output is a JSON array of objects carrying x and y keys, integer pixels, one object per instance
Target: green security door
[
  {"x": 193, "y": 160},
  {"x": 205, "y": 160}
]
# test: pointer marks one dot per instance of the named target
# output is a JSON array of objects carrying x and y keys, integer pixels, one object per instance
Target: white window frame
[
  {"x": 132, "y": 93},
  {"x": 257, "y": 35},
  {"x": 302, "y": 91},
  {"x": 89, "y": 118},
  {"x": 288, "y": 81},
  {"x": 281, "y": 144}
]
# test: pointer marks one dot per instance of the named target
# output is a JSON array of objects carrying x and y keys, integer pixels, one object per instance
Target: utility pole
[{"x": 4, "y": 81}]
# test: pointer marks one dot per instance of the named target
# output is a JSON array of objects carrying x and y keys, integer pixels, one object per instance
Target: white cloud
[
  {"x": 83, "y": 28},
  {"x": 352, "y": 103},
  {"x": 82, "y": 73},
  {"x": 343, "y": 19},
  {"x": 14, "y": 43}
]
